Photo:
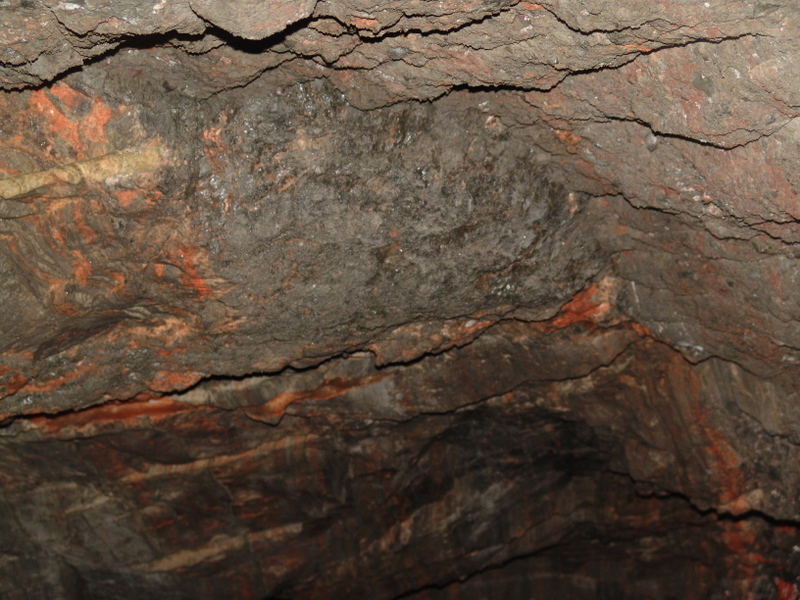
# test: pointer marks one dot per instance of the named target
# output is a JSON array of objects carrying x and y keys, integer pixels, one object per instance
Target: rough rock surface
[{"x": 338, "y": 298}]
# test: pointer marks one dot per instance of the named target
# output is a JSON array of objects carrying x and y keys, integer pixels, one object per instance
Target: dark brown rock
[
  {"x": 334, "y": 299},
  {"x": 460, "y": 458}
]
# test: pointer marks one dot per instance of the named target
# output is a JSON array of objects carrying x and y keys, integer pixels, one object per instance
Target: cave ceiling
[{"x": 332, "y": 299}]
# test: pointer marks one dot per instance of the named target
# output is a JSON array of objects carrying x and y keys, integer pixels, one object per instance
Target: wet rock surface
[{"x": 425, "y": 300}]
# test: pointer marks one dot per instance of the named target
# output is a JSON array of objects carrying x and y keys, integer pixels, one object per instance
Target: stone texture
[
  {"x": 405, "y": 299},
  {"x": 291, "y": 220},
  {"x": 252, "y": 19},
  {"x": 338, "y": 483}
]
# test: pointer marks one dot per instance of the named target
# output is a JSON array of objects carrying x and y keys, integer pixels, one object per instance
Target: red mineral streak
[
  {"x": 87, "y": 234},
  {"x": 11, "y": 381},
  {"x": 581, "y": 308},
  {"x": 127, "y": 198},
  {"x": 104, "y": 458},
  {"x": 787, "y": 590},
  {"x": 82, "y": 268},
  {"x": 363, "y": 23},
  {"x": 640, "y": 329},
  {"x": 189, "y": 257},
  {"x": 731, "y": 478},
  {"x": 114, "y": 412},
  {"x": 60, "y": 126},
  {"x": 408, "y": 342},
  {"x": 50, "y": 385},
  {"x": 70, "y": 97},
  {"x": 93, "y": 128},
  {"x": 79, "y": 133},
  {"x": 169, "y": 381},
  {"x": 636, "y": 48},
  {"x": 569, "y": 139},
  {"x": 329, "y": 389},
  {"x": 741, "y": 541},
  {"x": 215, "y": 148},
  {"x": 15, "y": 383}
]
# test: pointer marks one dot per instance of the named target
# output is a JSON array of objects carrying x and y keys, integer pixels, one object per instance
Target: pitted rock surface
[{"x": 339, "y": 298}]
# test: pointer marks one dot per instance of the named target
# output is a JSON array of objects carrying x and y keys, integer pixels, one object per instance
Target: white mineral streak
[{"x": 132, "y": 161}]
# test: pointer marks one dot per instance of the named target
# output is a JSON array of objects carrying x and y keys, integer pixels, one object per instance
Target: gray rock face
[
  {"x": 297, "y": 228},
  {"x": 407, "y": 299}
]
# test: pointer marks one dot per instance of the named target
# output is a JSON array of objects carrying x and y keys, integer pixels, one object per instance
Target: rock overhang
[{"x": 334, "y": 215}]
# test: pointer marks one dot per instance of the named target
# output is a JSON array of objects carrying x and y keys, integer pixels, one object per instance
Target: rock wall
[{"x": 345, "y": 299}]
